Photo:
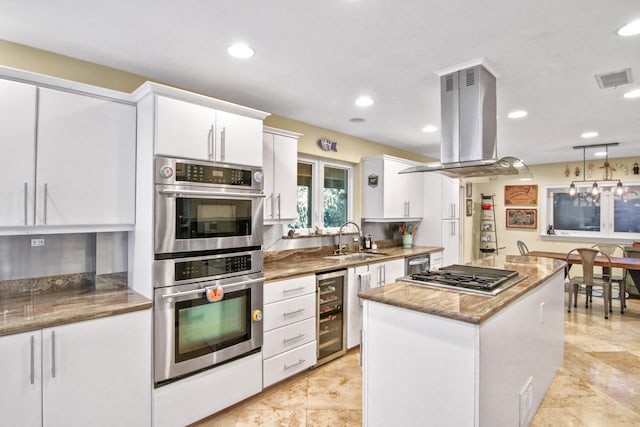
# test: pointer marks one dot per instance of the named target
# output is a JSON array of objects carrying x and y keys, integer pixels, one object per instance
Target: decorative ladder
[{"x": 488, "y": 233}]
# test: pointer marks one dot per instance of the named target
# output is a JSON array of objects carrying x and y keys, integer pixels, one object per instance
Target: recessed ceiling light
[
  {"x": 364, "y": 101},
  {"x": 241, "y": 51},
  {"x": 633, "y": 94},
  {"x": 429, "y": 129},
  {"x": 517, "y": 114},
  {"x": 600, "y": 153},
  {"x": 356, "y": 120},
  {"x": 631, "y": 29},
  {"x": 589, "y": 134}
]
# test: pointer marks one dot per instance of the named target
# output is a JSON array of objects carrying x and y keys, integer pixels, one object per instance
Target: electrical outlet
[
  {"x": 526, "y": 401},
  {"x": 37, "y": 242}
]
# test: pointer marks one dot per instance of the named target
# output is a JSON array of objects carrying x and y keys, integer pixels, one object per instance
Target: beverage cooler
[{"x": 331, "y": 318}]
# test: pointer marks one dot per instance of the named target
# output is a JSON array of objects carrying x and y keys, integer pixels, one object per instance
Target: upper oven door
[{"x": 192, "y": 218}]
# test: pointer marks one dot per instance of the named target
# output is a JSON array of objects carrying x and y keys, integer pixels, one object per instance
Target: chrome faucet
[{"x": 340, "y": 247}]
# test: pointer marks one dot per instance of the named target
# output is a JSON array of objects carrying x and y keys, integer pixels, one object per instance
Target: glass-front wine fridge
[{"x": 331, "y": 317}]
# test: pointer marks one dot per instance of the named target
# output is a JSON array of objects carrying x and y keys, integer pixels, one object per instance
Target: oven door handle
[
  {"x": 209, "y": 193},
  {"x": 201, "y": 290}
]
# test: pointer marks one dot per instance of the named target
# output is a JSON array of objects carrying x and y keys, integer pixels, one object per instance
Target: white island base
[{"x": 425, "y": 370}]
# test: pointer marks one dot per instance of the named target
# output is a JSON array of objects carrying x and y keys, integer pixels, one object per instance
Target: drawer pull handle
[
  {"x": 299, "y": 288},
  {"x": 33, "y": 361},
  {"x": 300, "y": 361},
  {"x": 287, "y": 340},
  {"x": 291, "y": 313}
]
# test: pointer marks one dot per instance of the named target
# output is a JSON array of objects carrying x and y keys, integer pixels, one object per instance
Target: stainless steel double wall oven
[{"x": 208, "y": 265}]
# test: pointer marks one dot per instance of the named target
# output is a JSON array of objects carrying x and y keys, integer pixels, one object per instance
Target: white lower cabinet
[
  {"x": 289, "y": 328},
  {"x": 376, "y": 274},
  {"x": 95, "y": 372}
]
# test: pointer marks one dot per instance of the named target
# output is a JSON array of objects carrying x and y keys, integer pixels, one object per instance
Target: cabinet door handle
[
  {"x": 32, "y": 376},
  {"x": 279, "y": 216},
  {"x": 25, "y": 203},
  {"x": 299, "y": 288},
  {"x": 53, "y": 354},
  {"x": 384, "y": 274},
  {"x": 223, "y": 145},
  {"x": 291, "y": 313},
  {"x": 287, "y": 340},
  {"x": 213, "y": 142},
  {"x": 408, "y": 209},
  {"x": 271, "y": 213},
  {"x": 300, "y": 361},
  {"x": 46, "y": 195},
  {"x": 210, "y": 143}
]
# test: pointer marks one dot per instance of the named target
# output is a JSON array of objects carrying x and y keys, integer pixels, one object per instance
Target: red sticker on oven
[{"x": 214, "y": 293}]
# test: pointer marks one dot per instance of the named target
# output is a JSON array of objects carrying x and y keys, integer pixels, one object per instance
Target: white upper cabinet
[
  {"x": 389, "y": 195},
  {"x": 82, "y": 173},
  {"x": 194, "y": 131},
  {"x": 85, "y": 160},
  {"x": 17, "y": 147},
  {"x": 280, "y": 156}
]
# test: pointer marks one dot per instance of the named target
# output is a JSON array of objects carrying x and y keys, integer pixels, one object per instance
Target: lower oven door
[{"x": 191, "y": 333}]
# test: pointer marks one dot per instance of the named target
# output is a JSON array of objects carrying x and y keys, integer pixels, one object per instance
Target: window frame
[
  {"x": 606, "y": 233},
  {"x": 317, "y": 182}
]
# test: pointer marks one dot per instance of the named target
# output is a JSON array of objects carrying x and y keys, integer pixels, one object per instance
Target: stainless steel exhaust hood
[{"x": 469, "y": 128}]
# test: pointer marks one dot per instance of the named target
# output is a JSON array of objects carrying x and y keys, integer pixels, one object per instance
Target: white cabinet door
[
  {"x": 383, "y": 273},
  {"x": 280, "y": 178},
  {"x": 17, "y": 148},
  {"x": 184, "y": 130},
  {"x": 98, "y": 372},
  {"x": 238, "y": 139},
  {"x": 394, "y": 195},
  {"x": 354, "y": 305},
  {"x": 21, "y": 373},
  {"x": 451, "y": 242},
  {"x": 450, "y": 198},
  {"x": 85, "y": 160},
  {"x": 193, "y": 131}
]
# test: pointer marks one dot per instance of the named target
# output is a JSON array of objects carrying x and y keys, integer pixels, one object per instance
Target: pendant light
[{"x": 619, "y": 189}]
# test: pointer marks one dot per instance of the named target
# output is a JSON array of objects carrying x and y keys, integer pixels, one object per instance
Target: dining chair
[
  {"x": 588, "y": 256},
  {"x": 618, "y": 275},
  {"x": 522, "y": 247}
]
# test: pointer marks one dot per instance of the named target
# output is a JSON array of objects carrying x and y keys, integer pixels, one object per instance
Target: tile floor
[{"x": 597, "y": 385}]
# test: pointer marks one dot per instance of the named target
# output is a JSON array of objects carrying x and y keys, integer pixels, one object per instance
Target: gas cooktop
[{"x": 467, "y": 278}]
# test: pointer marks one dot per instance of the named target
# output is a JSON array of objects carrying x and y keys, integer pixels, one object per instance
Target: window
[
  {"x": 601, "y": 215},
  {"x": 325, "y": 192}
]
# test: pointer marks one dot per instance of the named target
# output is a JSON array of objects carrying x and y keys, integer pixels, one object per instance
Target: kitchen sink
[{"x": 358, "y": 256}]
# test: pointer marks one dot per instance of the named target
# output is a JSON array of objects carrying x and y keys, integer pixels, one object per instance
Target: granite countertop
[
  {"x": 58, "y": 303},
  {"x": 464, "y": 306},
  {"x": 299, "y": 262}
]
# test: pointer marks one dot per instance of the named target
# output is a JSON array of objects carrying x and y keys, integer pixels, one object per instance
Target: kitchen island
[{"x": 450, "y": 358}]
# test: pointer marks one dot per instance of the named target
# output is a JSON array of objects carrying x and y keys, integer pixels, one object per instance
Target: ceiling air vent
[
  {"x": 449, "y": 83},
  {"x": 470, "y": 77},
  {"x": 614, "y": 78}
]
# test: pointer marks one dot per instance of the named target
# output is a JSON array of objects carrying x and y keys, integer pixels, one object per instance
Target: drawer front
[
  {"x": 288, "y": 337},
  {"x": 289, "y": 311},
  {"x": 290, "y": 288},
  {"x": 286, "y": 364}
]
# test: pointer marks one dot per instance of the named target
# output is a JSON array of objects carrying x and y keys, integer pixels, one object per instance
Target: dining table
[{"x": 616, "y": 262}]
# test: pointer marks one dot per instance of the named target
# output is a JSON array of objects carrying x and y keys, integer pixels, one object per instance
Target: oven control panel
[
  {"x": 211, "y": 267},
  {"x": 171, "y": 171}
]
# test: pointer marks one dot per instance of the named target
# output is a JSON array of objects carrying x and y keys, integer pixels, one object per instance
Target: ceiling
[{"x": 314, "y": 58}]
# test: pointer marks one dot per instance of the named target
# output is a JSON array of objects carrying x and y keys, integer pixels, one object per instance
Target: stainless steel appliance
[
  {"x": 207, "y": 310},
  {"x": 206, "y": 206},
  {"x": 469, "y": 127},
  {"x": 332, "y": 333},
  {"x": 467, "y": 278},
  {"x": 416, "y": 264}
]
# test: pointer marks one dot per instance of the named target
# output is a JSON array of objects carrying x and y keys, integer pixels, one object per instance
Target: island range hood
[{"x": 469, "y": 128}]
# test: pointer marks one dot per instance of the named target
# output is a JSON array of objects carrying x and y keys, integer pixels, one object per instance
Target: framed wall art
[
  {"x": 522, "y": 218},
  {"x": 469, "y": 207},
  {"x": 521, "y": 195}
]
